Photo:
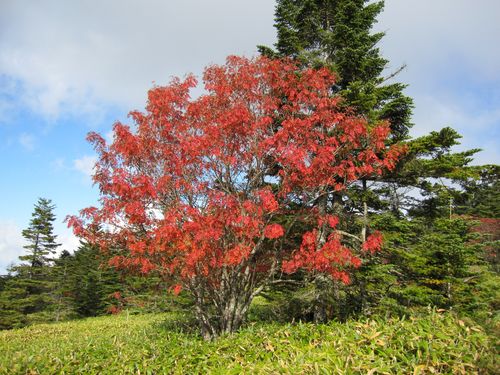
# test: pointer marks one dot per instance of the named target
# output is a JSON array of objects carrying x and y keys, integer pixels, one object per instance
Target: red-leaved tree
[{"x": 196, "y": 188}]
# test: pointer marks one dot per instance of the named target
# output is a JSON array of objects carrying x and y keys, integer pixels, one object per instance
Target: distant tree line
[{"x": 47, "y": 286}]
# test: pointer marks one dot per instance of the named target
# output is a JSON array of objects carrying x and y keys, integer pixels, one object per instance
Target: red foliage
[
  {"x": 273, "y": 231},
  {"x": 116, "y": 295},
  {"x": 489, "y": 230},
  {"x": 373, "y": 243},
  {"x": 114, "y": 309},
  {"x": 331, "y": 257},
  {"x": 488, "y": 226},
  {"x": 188, "y": 191},
  {"x": 176, "y": 289}
]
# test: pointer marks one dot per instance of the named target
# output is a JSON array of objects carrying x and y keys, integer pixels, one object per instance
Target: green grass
[{"x": 154, "y": 344}]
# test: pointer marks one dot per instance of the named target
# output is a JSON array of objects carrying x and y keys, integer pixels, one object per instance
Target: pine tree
[
  {"x": 28, "y": 294},
  {"x": 337, "y": 34},
  {"x": 95, "y": 288},
  {"x": 482, "y": 195},
  {"x": 42, "y": 242},
  {"x": 10, "y": 315},
  {"x": 61, "y": 274}
]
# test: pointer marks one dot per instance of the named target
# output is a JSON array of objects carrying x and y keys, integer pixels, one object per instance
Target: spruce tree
[
  {"x": 481, "y": 196},
  {"x": 42, "y": 243},
  {"x": 10, "y": 314},
  {"x": 28, "y": 295},
  {"x": 435, "y": 262},
  {"x": 95, "y": 288},
  {"x": 338, "y": 34},
  {"x": 90, "y": 282},
  {"x": 61, "y": 273}
]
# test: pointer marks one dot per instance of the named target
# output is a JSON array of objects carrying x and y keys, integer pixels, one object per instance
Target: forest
[{"x": 288, "y": 202}]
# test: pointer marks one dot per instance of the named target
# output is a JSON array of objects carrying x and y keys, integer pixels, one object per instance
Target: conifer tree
[
  {"x": 427, "y": 254},
  {"x": 94, "y": 288},
  {"x": 42, "y": 243},
  {"x": 91, "y": 282},
  {"x": 28, "y": 294},
  {"x": 10, "y": 314},
  {"x": 481, "y": 196},
  {"x": 61, "y": 274},
  {"x": 338, "y": 34}
]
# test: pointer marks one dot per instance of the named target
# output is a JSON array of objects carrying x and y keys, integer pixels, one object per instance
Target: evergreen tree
[
  {"x": 61, "y": 274},
  {"x": 433, "y": 172},
  {"x": 10, "y": 313},
  {"x": 28, "y": 294},
  {"x": 482, "y": 195},
  {"x": 95, "y": 288},
  {"x": 410, "y": 206},
  {"x": 42, "y": 243},
  {"x": 338, "y": 34},
  {"x": 436, "y": 262},
  {"x": 90, "y": 282}
]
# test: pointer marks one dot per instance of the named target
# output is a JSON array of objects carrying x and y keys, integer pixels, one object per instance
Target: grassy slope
[{"x": 151, "y": 344}]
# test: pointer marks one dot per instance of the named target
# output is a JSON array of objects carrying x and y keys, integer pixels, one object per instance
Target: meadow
[{"x": 167, "y": 343}]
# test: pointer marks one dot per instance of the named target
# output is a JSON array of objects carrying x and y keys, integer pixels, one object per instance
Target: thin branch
[
  {"x": 279, "y": 281},
  {"x": 348, "y": 235},
  {"x": 394, "y": 74}
]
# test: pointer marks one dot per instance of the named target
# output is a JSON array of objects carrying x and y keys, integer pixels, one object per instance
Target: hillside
[{"x": 157, "y": 344}]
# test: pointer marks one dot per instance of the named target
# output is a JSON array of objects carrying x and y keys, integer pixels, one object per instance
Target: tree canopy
[{"x": 194, "y": 193}]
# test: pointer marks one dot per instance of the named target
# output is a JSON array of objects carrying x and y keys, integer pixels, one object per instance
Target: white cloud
[
  {"x": 27, "y": 141},
  {"x": 7, "y": 104},
  {"x": 79, "y": 57},
  {"x": 85, "y": 165},
  {"x": 436, "y": 37},
  {"x": 11, "y": 244},
  {"x": 67, "y": 240},
  {"x": 453, "y": 70},
  {"x": 109, "y": 136},
  {"x": 433, "y": 111},
  {"x": 436, "y": 112},
  {"x": 92, "y": 55}
]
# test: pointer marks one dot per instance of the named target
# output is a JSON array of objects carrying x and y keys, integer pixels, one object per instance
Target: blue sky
[{"x": 67, "y": 68}]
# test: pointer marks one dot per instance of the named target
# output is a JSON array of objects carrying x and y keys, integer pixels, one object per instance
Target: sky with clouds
[{"x": 67, "y": 68}]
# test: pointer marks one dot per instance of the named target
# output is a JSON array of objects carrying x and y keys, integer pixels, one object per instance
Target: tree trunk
[
  {"x": 321, "y": 281},
  {"x": 365, "y": 213},
  {"x": 320, "y": 304},
  {"x": 223, "y": 311}
]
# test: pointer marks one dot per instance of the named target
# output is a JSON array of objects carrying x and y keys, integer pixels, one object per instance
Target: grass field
[{"x": 157, "y": 344}]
